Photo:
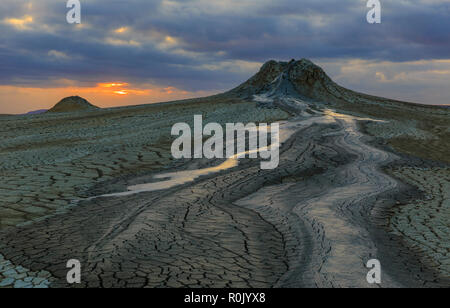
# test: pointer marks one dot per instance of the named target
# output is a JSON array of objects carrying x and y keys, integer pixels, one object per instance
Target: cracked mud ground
[
  {"x": 114, "y": 143},
  {"x": 246, "y": 227},
  {"x": 188, "y": 236}
]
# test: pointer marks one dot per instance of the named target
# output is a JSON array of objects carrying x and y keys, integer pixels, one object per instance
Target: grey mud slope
[{"x": 302, "y": 224}]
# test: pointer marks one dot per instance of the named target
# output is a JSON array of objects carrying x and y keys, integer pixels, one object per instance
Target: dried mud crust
[
  {"x": 187, "y": 236},
  {"x": 203, "y": 234},
  {"x": 418, "y": 220},
  {"x": 47, "y": 161},
  {"x": 424, "y": 223}
]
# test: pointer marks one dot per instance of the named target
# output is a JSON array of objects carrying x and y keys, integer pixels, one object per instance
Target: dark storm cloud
[{"x": 176, "y": 42}]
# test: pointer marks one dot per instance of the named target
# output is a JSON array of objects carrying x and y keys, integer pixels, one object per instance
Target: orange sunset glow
[
  {"x": 121, "y": 92},
  {"x": 115, "y": 85},
  {"x": 103, "y": 94}
]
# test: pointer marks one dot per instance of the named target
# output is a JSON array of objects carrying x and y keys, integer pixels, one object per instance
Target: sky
[{"x": 143, "y": 51}]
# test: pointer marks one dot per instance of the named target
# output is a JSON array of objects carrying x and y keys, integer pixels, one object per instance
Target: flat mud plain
[{"x": 347, "y": 190}]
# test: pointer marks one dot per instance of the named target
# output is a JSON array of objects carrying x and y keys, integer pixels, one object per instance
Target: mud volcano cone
[{"x": 73, "y": 103}]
